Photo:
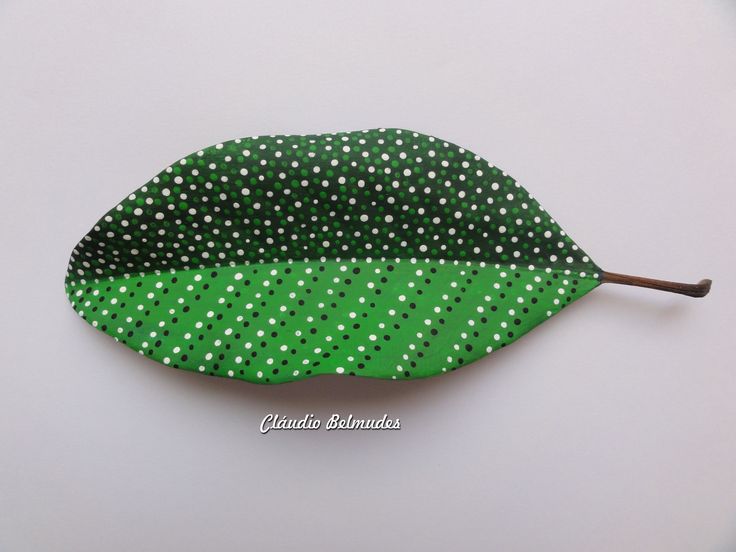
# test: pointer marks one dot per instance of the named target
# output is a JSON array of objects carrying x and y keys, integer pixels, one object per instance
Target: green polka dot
[{"x": 383, "y": 253}]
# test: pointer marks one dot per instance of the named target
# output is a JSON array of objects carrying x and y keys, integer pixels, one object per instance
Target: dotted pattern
[{"x": 383, "y": 253}]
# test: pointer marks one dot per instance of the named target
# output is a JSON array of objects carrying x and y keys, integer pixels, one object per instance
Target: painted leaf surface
[{"x": 383, "y": 253}]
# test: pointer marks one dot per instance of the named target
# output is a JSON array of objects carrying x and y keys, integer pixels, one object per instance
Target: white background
[{"x": 610, "y": 428}]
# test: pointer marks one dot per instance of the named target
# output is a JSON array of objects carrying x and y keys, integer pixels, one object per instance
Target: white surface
[{"x": 611, "y": 427}]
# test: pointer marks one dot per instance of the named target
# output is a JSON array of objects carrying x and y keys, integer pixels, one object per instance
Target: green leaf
[{"x": 383, "y": 253}]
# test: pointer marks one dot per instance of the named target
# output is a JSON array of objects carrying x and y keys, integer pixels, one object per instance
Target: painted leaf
[{"x": 383, "y": 253}]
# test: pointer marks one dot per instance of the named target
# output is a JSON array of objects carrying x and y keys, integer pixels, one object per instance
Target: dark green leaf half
[{"x": 383, "y": 253}]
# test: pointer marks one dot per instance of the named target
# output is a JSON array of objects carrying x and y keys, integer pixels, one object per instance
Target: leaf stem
[{"x": 700, "y": 289}]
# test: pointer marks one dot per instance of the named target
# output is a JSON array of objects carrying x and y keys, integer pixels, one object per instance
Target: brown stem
[{"x": 700, "y": 289}]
